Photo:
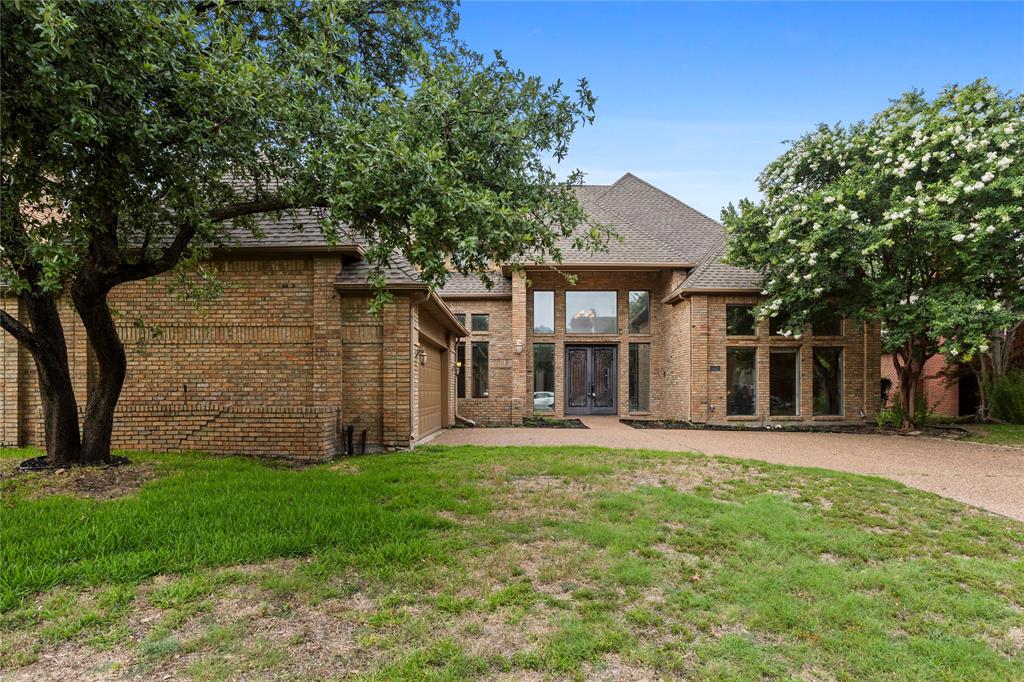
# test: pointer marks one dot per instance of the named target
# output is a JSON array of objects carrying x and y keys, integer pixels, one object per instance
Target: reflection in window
[
  {"x": 741, "y": 375},
  {"x": 460, "y": 378},
  {"x": 639, "y": 377},
  {"x": 543, "y": 312},
  {"x": 481, "y": 357},
  {"x": 481, "y": 323},
  {"x": 543, "y": 377},
  {"x": 827, "y": 324},
  {"x": 783, "y": 383},
  {"x": 739, "y": 320},
  {"x": 639, "y": 312},
  {"x": 828, "y": 381},
  {"x": 590, "y": 312}
]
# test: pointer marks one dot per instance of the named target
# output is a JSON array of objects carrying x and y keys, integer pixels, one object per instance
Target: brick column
[
  {"x": 699, "y": 376},
  {"x": 9, "y": 404},
  {"x": 520, "y": 372}
]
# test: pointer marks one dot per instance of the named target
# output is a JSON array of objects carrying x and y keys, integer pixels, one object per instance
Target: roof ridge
[
  {"x": 656, "y": 239},
  {"x": 663, "y": 192}
]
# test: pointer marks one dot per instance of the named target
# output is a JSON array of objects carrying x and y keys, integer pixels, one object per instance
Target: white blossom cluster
[{"x": 921, "y": 184}]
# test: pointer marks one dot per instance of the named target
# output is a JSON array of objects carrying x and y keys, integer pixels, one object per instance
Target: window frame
[
  {"x": 480, "y": 316},
  {"x": 460, "y": 372},
  {"x": 629, "y": 319},
  {"x": 795, "y": 352},
  {"x": 475, "y": 375},
  {"x": 533, "y": 321},
  {"x": 728, "y": 378},
  {"x": 568, "y": 318},
  {"x": 750, "y": 309},
  {"x": 633, "y": 402},
  {"x": 842, "y": 382},
  {"x": 554, "y": 404}
]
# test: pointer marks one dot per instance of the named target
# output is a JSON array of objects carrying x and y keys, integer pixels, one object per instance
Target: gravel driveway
[{"x": 986, "y": 476}]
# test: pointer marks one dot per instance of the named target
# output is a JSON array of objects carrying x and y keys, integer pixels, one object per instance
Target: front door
[{"x": 590, "y": 386}]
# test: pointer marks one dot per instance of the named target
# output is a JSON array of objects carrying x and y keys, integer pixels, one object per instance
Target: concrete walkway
[{"x": 986, "y": 476}]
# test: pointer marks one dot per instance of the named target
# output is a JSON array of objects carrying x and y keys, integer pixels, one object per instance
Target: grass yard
[
  {"x": 509, "y": 563},
  {"x": 997, "y": 434}
]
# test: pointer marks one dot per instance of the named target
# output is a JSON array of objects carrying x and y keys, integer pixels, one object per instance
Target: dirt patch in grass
[{"x": 98, "y": 483}]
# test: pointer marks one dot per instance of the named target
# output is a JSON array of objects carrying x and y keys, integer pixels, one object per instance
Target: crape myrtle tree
[
  {"x": 914, "y": 219},
  {"x": 136, "y": 133}
]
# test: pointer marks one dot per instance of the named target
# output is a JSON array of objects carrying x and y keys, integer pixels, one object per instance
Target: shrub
[{"x": 1006, "y": 397}]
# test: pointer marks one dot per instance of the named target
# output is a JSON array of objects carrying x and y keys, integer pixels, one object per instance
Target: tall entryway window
[
  {"x": 784, "y": 382},
  {"x": 590, "y": 386},
  {"x": 741, "y": 377}
]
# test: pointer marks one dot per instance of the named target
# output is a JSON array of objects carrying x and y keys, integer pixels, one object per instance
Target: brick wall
[
  {"x": 501, "y": 406},
  {"x": 943, "y": 398},
  {"x": 274, "y": 367}
]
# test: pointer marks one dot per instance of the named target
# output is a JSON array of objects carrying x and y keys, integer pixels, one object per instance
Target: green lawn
[
  {"x": 454, "y": 563},
  {"x": 997, "y": 434}
]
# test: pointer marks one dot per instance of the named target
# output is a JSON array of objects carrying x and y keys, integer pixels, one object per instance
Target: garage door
[{"x": 432, "y": 391}]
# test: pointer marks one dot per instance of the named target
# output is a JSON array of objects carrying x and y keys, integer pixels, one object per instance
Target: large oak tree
[{"x": 135, "y": 133}]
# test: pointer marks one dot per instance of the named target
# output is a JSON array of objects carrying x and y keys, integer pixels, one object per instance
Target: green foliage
[
  {"x": 914, "y": 219},
  {"x": 892, "y": 413},
  {"x": 546, "y": 562},
  {"x": 1006, "y": 397},
  {"x": 140, "y": 132}
]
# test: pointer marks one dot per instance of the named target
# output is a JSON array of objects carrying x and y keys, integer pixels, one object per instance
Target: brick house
[{"x": 655, "y": 327}]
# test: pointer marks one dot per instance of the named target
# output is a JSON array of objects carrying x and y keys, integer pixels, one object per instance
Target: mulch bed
[
  {"x": 952, "y": 432},
  {"x": 545, "y": 423},
  {"x": 102, "y": 482}
]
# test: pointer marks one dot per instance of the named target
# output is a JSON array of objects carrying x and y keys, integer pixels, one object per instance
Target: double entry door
[{"x": 590, "y": 379}]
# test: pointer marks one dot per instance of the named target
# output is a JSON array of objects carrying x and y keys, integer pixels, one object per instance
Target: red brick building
[{"x": 289, "y": 356}]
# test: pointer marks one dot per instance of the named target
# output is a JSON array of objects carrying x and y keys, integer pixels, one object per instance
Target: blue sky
[{"x": 696, "y": 98}]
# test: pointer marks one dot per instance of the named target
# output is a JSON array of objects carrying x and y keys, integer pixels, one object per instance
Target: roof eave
[{"x": 680, "y": 294}]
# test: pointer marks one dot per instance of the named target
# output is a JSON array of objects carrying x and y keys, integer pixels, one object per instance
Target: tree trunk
[
  {"x": 57, "y": 395},
  {"x": 106, "y": 345},
  {"x": 909, "y": 365}
]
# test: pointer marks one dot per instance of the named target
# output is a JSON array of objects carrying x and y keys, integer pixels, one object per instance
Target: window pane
[
  {"x": 827, "y": 325},
  {"x": 639, "y": 377},
  {"x": 777, "y": 324},
  {"x": 590, "y": 312},
  {"x": 543, "y": 377},
  {"x": 481, "y": 323},
  {"x": 461, "y": 317},
  {"x": 543, "y": 312},
  {"x": 783, "y": 383},
  {"x": 741, "y": 375},
  {"x": 828, "y": 381},
  {"x": 639, "y": 312},
  {"x": 739, "y": 320},
  {"x": 480, "y": 362},
  {"x": 460, "y": 379}
]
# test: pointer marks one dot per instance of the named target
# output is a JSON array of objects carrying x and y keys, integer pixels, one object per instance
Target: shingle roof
[
  {"x": 400, "y": 272},
  {"x": 712, "y": 273},
  {"x": 292, "y": 230},
  {"x": 470, "y": 285},
  {"x": 656, "y": 227}
]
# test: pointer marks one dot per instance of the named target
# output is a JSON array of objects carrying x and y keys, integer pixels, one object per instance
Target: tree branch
[{"x": 20, "y": 332}]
